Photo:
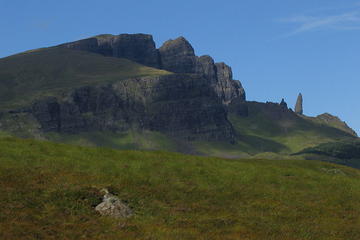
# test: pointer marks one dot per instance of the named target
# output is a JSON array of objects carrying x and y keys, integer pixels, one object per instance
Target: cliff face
[
  {"x": 190, "y": 102},
  {"x": 177, "y": 56},
  {"x": 136, "y": 47},
  {"x": 177, "y": 104}
]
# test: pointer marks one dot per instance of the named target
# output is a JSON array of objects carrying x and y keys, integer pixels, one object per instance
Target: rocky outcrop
[
  {"x": 299, "y": 105},
  {"x": 283, "y": 104},
  {"x": 136, "y": 47},
  {"x": 176, "y": 56},
  {"x": 112, "y": 206},
  {"x": 182, "y": 105},
  {"x": 227, "y": 88}
]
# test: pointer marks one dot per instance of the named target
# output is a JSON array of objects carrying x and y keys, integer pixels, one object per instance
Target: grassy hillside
[
  {"x": 47, "y": 191},
  {"x": 284, "y": 132},
  {"x": 343, "y": 152},
  {"x": 53, "y": 71}
]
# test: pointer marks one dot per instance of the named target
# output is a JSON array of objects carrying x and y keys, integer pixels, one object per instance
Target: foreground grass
[{"x": 48, "y": 190}]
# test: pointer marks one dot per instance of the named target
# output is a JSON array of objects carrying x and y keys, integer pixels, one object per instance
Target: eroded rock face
[
  {"x": 112, "y": 206},
  {"x": 178, "y": 56},
  {"x": 179, "y": 104},
  {"x": 283, "y": 104},
  {"x": 227, "y": 88},
  {"x": 136, "y": 47},
  {"x": 205, "y": 66}
]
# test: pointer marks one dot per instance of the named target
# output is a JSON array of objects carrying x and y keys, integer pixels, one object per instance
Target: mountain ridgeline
[
  {"x": 123, "y": 83},
  {"x": 187, "y": 101}
]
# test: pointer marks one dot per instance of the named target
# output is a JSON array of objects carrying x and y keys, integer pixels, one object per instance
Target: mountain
[
  {"x": 49, "y": 191},
  {"x": 124, "y": 95},
  {"x": 121, "y": 91}
]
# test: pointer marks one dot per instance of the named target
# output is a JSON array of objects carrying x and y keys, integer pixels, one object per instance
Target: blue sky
[{"x": 277, "y": 48}]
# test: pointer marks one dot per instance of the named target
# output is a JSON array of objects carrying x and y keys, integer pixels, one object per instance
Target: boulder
[{"x": 112, "y": 206}]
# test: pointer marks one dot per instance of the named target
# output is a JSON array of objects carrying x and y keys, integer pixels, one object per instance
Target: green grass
[
  {"x": 53, "y": 71},
  {"x": 342, "y": 152},
  {"x": 287, "y": 135},
  {"x": 333, "y": 121},
  {"x": 129, "y": 140},
  {"x": 48, "y": 190}
]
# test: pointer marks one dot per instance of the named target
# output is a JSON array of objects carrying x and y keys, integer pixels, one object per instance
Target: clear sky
[{"x": 277, "y": 48}]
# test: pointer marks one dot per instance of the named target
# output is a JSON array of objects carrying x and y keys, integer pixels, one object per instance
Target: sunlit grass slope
[
  {"x": 53, "y": 71},
  {"x": 48, "y": 190}
]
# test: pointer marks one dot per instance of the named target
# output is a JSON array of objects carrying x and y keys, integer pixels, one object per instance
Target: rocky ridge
[{"x": 177, "y": 56}]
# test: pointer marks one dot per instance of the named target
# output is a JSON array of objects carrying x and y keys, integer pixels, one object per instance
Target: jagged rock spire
[
  {"x": 299, "y": 105},
  {"x": 283, "y": 104}
]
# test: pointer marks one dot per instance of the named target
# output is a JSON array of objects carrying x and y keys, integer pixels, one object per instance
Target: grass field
[{"x": 48, "y": 190}]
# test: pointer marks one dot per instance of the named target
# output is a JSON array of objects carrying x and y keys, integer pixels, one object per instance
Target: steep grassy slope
[
  {"x": 53, "y": 71},
  {"x": 47, "y": 191}
]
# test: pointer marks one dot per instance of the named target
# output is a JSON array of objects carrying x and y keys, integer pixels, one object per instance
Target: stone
[
  {"x": 205, "y": 66},
  {"x": 227, "y": 88},
  {"x": 136, "y": 47},
  {"x": 181, "y": 105},
  {"x": 112, "y": 206},
  {"x": 283, "y": 104},
  {"x": 299, "y": 105},
  {"x": 178, "y": 56}
]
